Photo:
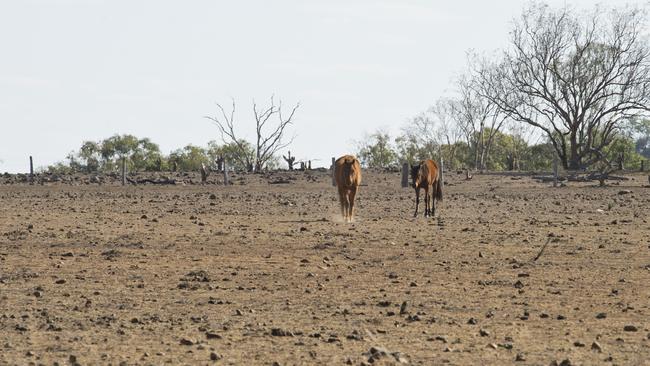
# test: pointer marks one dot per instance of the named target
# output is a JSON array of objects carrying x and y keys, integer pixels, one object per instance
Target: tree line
[
  {"x": 143, "y": 155},
  {"x": 570, "y": 85},
  {"x": 577, "y": 82}
]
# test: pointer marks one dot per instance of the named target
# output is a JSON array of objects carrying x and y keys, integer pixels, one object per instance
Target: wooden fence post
[
  {"x": 442, "y": 171},
  {"x": 225, "y": 173},
  {"x": 333, "y": 177},
  {"x": 204, "y": 174},
  {"x": 642, "y": 165},
  {"x": 405, "y": 175},
  {"x": 31, "y": 170},
  {"x": 123, "y": 171},
  {"x": 555, "y": 171}
]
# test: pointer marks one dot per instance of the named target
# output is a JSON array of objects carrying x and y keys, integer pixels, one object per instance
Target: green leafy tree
[
  {"x": 375, "y": 151},
  {"x": 238, "y": 156},
  {"x": 189, "y": 158}
]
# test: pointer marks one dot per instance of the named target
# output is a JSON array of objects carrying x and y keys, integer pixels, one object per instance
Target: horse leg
[
  {"x": 347, "y": 205},
  {"x": 434, "y": 194},
  {"x": 353, "y": 193},
  {"x": 426, "y": 201},
  {"x": 342, "y": 197},
  {"x": 417, "y": 201}
]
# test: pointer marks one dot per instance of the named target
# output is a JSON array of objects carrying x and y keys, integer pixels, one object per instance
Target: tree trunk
[{"x": 574, "y": 159}]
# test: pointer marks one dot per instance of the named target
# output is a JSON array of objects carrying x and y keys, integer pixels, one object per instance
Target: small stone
[
  {"x": 630, "y": 328},
  {"x": 578, "y": 344},
  {"x": 277, "y": 332},
  {"x": 601, "y": 316},
  {"x": 211, "y": 335},
  {"x": 186, "y": 342},
  {"x": 60, "y": 282},
  {"x": 29, "y": 353},
  {"x": 484, "y": 333},
  {"x": 519, "y": 284},
  {"x": 215, "y": 356},
  {"x": 213, "y": 196},
  {"x": 472, "y": 321},
  {"x": 520, "y": 357},
  {"x": 403, "y": 308},
  {"x": 596, "y": 347},
  {"x": 493, "y": 346}
]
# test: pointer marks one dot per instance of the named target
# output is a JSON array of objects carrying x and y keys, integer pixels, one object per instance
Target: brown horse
[
  {"x": 427, "y": 175},
  {"x": 347, "y": 172}
]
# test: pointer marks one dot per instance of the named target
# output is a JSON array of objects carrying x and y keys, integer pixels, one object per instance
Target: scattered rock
[
  {"x": 484, "y": 333},
  {"x": 601, "y": 316},
  {"x": 403, "y": 308},
  {"x": 596, "y": 347},
  {"x": 520, "y": 357},
  {"x": 630, "y": 328},
  {"x": 565, "y": 362},
  {"x": 378, "y": 353},
  {"x": 212, "y": 335},
  {"x": 215, "y": 356},
  {"x": 277, "y": 332},
  {"x": 187, "y": 342}
]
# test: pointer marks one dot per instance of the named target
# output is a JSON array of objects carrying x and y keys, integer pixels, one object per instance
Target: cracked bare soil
[{"x": 265, "y": 273}]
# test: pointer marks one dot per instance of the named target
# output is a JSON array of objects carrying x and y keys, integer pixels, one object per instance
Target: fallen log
[{"x": 165, "y": 181}]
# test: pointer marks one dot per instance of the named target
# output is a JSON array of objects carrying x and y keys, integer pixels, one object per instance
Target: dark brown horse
[
  {"x": 347, "y": 172},
  {"x": 427, "y": 175}
]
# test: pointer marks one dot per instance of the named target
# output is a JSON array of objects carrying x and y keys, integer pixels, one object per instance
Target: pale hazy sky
[{"x": 74, "y": 70}]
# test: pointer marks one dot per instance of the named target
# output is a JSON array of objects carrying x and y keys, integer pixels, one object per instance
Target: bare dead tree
[
  {"x": 576, "y": 77},
  {"x": 270, "y": 139},
  {"x": 226, "y": 125},
  {"x": 270, "y": 136},
  {"x": 478, "y": 117},
  {"x": 448, "y": 131},
  {"x": 290, "y": 160}
]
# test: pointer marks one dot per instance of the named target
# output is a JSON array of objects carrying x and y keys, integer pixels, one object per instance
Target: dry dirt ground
[{"x": 259, "y": 273}]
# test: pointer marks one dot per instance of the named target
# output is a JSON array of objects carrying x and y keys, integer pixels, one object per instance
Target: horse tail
[
  {"x": 347, "y": 173},
  {"x": 439, "y": 188}
]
